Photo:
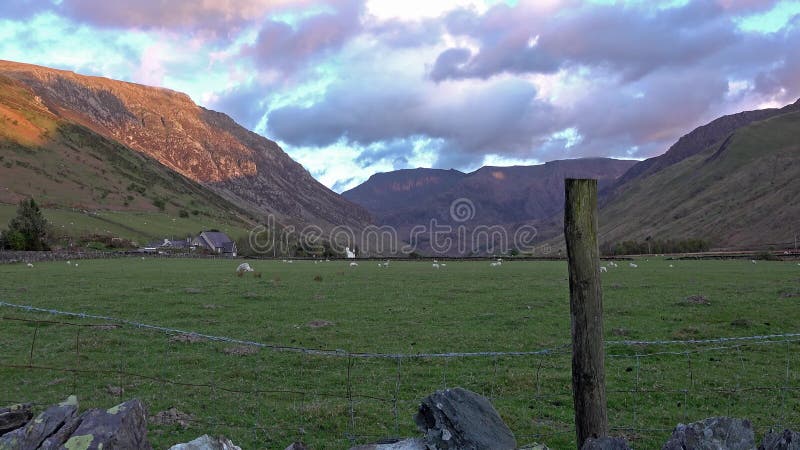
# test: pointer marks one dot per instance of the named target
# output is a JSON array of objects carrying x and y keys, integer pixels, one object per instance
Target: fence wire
[{"x": 333, "y": 398}]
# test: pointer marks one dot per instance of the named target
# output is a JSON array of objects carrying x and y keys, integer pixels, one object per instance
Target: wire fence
[{"x": 266, "y": 396}]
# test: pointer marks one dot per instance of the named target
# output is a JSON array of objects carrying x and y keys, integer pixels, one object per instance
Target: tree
[{"x": 28, "y": 230}]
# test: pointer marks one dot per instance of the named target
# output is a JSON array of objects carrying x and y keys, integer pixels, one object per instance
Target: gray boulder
[
  {"x": 788, "y": 440},
  {"x": 14, "y": 417},
  {"x": 206, "y": 442},
  {"x": 605, "y": 443},
  {"x": 33, "y": 435},
  {"x": 715, "y": 433},
  {"x": 404, "y": 444},
  {"x": 297, "y": 446},
  {"x": 460, "y": 419},
  {"x": 121, "y": 427}
]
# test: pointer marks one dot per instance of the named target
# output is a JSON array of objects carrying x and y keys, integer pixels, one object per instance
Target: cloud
[
  {"x": 288, "y": 48},
  {"x": 470, "y": 118},
  {"x": 634, "y": 39}
]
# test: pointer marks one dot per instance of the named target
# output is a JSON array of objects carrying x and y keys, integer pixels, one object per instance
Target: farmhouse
[
  {"x": 212, "y": 241},
  {"x": 215, "y": 241}
]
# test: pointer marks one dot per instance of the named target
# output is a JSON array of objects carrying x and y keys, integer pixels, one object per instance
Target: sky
[{"x": 353, "y": 87}]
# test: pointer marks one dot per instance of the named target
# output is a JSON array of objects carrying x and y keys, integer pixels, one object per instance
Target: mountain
[
  {"x": 81, "y": 141},
  {"x": 733, "y": 182},
  {"x": 505, "y": 196},
  {"x": 700, "y": 139}
]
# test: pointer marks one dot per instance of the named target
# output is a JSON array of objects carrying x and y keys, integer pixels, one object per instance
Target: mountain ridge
[{"x": 204, "y": 146}]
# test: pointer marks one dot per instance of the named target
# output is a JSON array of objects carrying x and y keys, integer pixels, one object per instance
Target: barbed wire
[
  {"x": 786, "y": 337},
  {"x": 355, "y": 392}
]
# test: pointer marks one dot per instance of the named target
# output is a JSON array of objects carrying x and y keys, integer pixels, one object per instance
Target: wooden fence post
[{"x": 586, "y": 309}]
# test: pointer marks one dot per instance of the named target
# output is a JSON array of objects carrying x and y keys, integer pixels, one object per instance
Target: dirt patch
[
  {"x": 250, "y": 295},
  {"x": 172, "y": 416},
  {"x": 241, "y": 350},
  {"x": 186, "y": 338},
  {"x": 56, "y": 381},
  {"x": 319, "y": 323},
  {"x": 106, "y": 326},
  {"x": 686, "y": 333},
  {"x": 116, "y": 391},
  {"x": 193, "y": 291},
  {"x": 211, "y": 306},
  {"x": 790, "y": 295},
  {"x": 696, "y": 300}
]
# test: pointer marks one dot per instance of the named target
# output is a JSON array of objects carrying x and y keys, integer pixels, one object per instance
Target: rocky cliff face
[{"x": 202, "y": 145}]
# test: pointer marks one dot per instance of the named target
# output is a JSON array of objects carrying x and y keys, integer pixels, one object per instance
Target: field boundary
[{"x": 342, "y": 353}]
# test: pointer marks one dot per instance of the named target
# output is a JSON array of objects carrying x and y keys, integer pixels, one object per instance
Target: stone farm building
[{"x": 211, "y": 241}]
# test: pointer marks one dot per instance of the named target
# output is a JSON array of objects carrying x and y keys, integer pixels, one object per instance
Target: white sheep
[
  {"x": 30, "y": 265},
  {"x": 353, "y": 264},
  {"x": 69, "y": 263},
  {"x": 633, "y": 265},
  {"x": 435, "y": 265},
  {"x": 244, "y": 267},
  {"x": 495, "y": 264},
  {"x": 752, "y": 261},
  {"x": 76, "y": 264},
  {"x": 350, "y": 253},
  {"x": 671, "y": 266},
  {"x": 443, "y": 265},
  {"x": 603, "y": 269},
  {"x": 386, "y": 264}
]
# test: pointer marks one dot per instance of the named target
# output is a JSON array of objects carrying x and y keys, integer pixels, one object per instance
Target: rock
[
  {"x": 14, "y": 417},
  {"x": 296, "y": 446},
  {"x": 122, "y": 427},
  {"x": 206, "y": 442},
  {"x": 715, "y": 433},
  {"x": 534, "y": 446},
  {"x": 172, "y": 416},
  {"x": 404, "y": 444},
  {"x": 605, "y": 443},
  {"x": 460, "y": 419},
  {"x": 32, "y": 435},
  {"x": 788, "y": 440}
]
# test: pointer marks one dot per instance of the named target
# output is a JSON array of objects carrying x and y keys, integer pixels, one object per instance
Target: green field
[{"x": 270, "y": 398}]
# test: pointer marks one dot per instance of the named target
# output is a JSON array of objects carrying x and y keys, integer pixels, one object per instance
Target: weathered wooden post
[{"x": 586, "y": 309}]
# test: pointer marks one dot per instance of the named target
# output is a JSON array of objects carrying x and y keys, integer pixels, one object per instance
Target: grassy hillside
[
  {"x": 64, "y": 165},
  {"x": 138, "y": 226},
  {"x": 741, "y": 192}
]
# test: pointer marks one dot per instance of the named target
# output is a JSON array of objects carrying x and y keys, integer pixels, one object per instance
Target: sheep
[
  {"x": 603, "y": 269},
  {"x": 353, "y": 264},
  {"x": 30, "y": 265},
  {"x": 76, "y": 264},
  {"x": 350, "y": 253},
  {"x": 386, "y": 264},
  {"x": 671, "y": 266},
  {"x": 495, "y": 264},
  {"x": 435, "y": 265},
  {"x": 443, "y": 265},
  {"x": 632, "y": 265},
  {"x": 69, "y": 263},
  {"x": 752, "y": 261},
  {"x": 244, "y": 267}
]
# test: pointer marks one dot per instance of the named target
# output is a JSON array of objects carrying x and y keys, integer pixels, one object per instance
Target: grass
[
  {"x": 268, "y": 399},
  {"x": 137, "y": 226}
]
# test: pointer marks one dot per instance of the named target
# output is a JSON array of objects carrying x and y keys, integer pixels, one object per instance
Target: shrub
[
  {"x": 183, "y": 213},
  {"x": 28, "y": 230}
]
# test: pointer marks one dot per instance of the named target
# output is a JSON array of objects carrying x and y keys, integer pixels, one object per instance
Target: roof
[{"x": 217, "y": 239}]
